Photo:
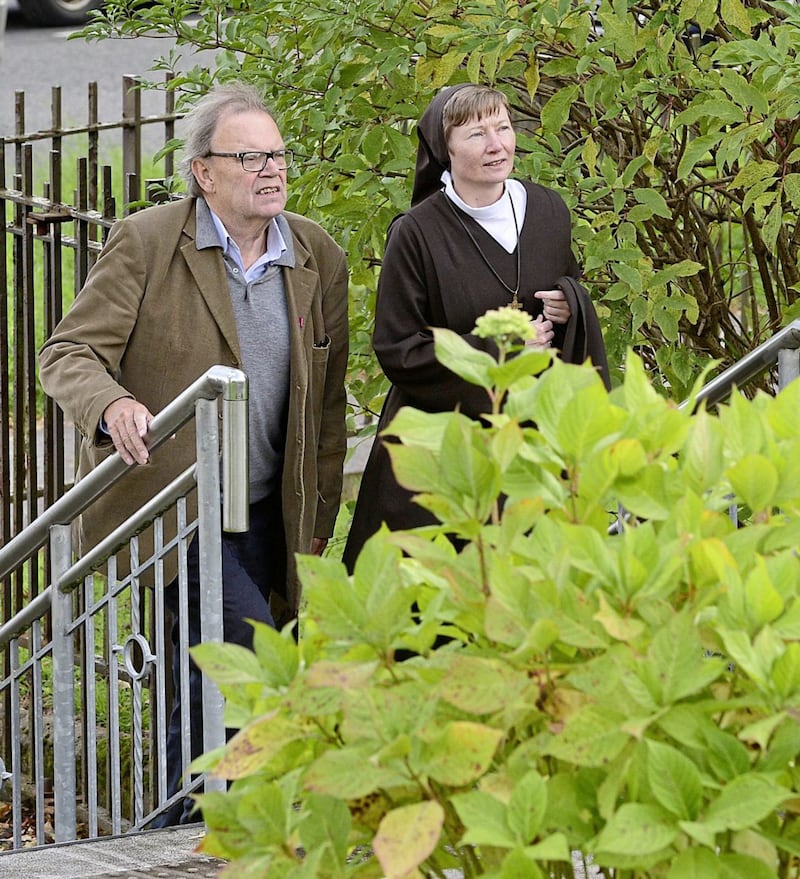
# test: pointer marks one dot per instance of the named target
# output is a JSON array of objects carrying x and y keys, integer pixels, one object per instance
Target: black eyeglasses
[{"x": 257, "y": 161}]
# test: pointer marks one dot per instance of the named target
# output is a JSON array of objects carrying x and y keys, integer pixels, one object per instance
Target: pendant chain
[{"x": 515, "y": 303}]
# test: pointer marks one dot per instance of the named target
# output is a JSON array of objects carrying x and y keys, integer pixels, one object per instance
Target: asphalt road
[{"x": 35, "y": 59}]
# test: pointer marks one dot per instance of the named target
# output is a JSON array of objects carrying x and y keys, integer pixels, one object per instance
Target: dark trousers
[{"x": 253, "y": 564}]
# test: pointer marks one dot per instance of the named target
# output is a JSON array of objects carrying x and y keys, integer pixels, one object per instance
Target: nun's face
[{"x": 482, "y": 157}]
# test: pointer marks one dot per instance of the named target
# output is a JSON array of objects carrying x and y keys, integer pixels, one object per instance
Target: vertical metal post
[
  {"x": 209, "y": 516},
  {"x": 113, "y": 760},
  {"x": 158, "y": 681},
  {"x": 90, "y": 721},
  {"x": 788, "y": 366},
  {"x": 131, "y": 134},
  {"x": 15, "y": 748},
  {"x": 235, "y": 457},
  {"x": 137, "y": 722},
  {"x": 64, "y": 766},
  {"x": 38, "y": 726}
]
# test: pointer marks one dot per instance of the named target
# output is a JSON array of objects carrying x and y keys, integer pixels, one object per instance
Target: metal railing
[
  {"x": 782, "y": 349},
  {"x": 58, "y": 198},
  {"x": 92, "y": 698}
]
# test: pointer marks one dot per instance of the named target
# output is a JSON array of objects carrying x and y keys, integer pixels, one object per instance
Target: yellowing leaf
[
  {"x": 621, "y": 628},
  {"x": 463, "y": 753},
  {"x": 345, "y": 676},
  {"x": 445, "y": 67},
  {"x": 406, "y": 837},
  {"x": 734, "y": 13},
  {"x": 532, "y": 75},
  {"x": 711, "y": 561},
  {"x": 753, "y": 172},
  {"x": 481, "y": 686},
  {"x": 589, "y": 155},
  {"x": 347, "y": 774},
  {"x": 254, "y": 746}
]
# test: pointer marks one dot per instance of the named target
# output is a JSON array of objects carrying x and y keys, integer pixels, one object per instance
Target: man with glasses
[{"x": 225, "y": 276}]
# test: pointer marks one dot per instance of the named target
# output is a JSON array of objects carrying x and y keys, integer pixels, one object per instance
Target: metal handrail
[
  {"x": 752, "y": 364},
  {"x": 224, "y": 381},
  {"x": 221, "y": 485},
  {"x": 40, "y": 605},
  {"x": 774, "y": 350}
]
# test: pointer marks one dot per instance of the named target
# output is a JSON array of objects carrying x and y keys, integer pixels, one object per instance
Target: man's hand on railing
[{"x": 127, "y": 422}]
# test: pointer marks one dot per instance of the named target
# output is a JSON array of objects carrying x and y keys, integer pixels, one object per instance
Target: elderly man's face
[{"x": 241, "y": 197}]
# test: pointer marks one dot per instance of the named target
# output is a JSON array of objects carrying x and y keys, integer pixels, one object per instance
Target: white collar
[{"x": 497, "y": 218}]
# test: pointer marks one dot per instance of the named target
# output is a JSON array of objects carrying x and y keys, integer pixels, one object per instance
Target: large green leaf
[
  {"x": 727, "y": 756},
  {"x": 695, "y": 863},
  {"x": 462, "y": 358},
  {"x": 786, "y": 672},
  {"x": 341, "y": 610},
  {"x": 554, "y": 848},
  {"x": 529, "y": 361},
  {"x": 471, "y": 473},
  {"x": 348, "y": 774},
  {"x": 754, "y": 478},
  {"x": 636, "y": 829},
  {"x": 586, "y": 422},
  {"x": 417, "y": 469},
  {"x": 485, "y": 819},
  {"x": 745, "y": 801},
  {"x": 263, "y": 814},
  {"x": 674, "y": 779},
  {"x": 592, "y": 737},
  {"x": 527, "y": 807},
  {"x": 678, "y": 661},
  {"x": 741, "y": 866},
  {"x": 556, "y": 110},
  {"x": 326, "y": 825},
  {"x": 229, "y": 664},
  {"x": 277, "y": 654},
  {"x": 696, "y": 150},
  {"x": 701, "y": 458}
]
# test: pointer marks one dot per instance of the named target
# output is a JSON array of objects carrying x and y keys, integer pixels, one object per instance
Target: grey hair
[{"x": 203, "y": 118}]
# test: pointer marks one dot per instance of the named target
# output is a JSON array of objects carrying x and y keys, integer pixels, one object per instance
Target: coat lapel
[
  {"x": 208, "y": 272},
  {"x": 301, "y": 282}
]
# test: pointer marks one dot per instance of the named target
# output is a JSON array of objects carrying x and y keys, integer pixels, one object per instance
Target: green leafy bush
[
  {"x": 671, "y": 129},
  {"x": 554, "y": 685}
]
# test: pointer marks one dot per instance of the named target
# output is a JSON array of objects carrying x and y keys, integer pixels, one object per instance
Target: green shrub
[
  {"x": 552, "y": 686},
  {"x": 670, "y": 129}
]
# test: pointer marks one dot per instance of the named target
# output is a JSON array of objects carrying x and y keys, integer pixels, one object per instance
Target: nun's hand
[
  {"x": 544, "y": 333},
  {"x": 556, "y": 307}
]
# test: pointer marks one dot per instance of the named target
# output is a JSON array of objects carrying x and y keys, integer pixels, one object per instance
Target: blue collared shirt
[{"x": 276, "y": 247}]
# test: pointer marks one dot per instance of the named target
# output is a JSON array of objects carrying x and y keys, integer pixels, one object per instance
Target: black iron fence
[{"x": 51, "y": 238}]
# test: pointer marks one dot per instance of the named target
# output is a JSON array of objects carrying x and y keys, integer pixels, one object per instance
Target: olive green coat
[{"x": 155, "y": 314}]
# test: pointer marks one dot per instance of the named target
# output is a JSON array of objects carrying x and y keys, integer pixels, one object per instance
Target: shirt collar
[{"x": 211, "y": 232}]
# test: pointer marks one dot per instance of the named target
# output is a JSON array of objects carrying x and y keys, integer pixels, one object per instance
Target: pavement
[{"x": 156, "y": 854}]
